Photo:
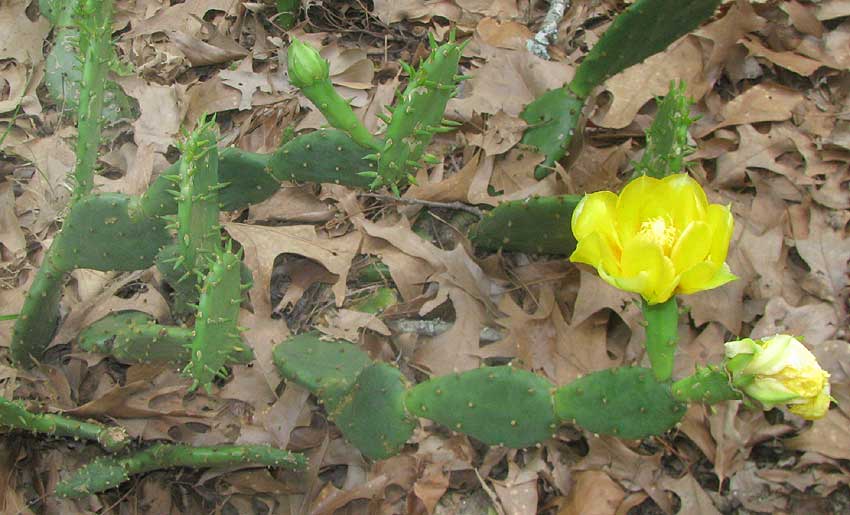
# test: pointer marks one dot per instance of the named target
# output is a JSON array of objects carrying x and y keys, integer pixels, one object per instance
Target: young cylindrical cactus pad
[
  {"x": 625, "y": 402},
  {"x": 418, "y": 115},
  {"x": 327, "y": 368},
  {"x": 497, "y": 405},
  {"x": 372, "y": 415},
  {"x": 534, "y": 225},
  {"x": 14, "y": 415},
  {"x": 216, "y": 338},
  {"x": 644, "y": 29},
  {"x": 667, "y": 137},
  {"x": 553, "y": 122},
  {"x": 106, "y": 473}
]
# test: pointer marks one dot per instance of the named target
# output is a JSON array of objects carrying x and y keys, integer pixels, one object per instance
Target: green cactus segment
[
  {"x": 14, "y": 415},
  {"x": 375, "y": 302},
  {"x": 216, "y": 338},
  {"x": 497, "y": 405},
  {"x": 553, "y": 120},
  {"x": 101, "y": 232},
  {"x": 372, "y": 414},
  {"x": 644, "y": 29},
  {"x": 135, "y": 337},
  {"x": 244, "y": 177},
  {"x": 39, "y": 316},
  {"x": 328, "y": 369},
  {"x": 106, "y": 473},
  {"x": 534, "y": 225},
  {"x": 287, "y": 13},
  {"x": 708, "y": 385},
  {"x": 63, "y": 74},
  {"x": 418, "y": 115},
  {"x": 624, "y": 402},
  {"x": 309, "y": 72},
  {"x": 662, "y": 335},
  {"x": 667, "y": 137},
  {"x": 95, "y": 25},
  {"x": 59, "y": 12},
  {"x": 322, "y": 156}
]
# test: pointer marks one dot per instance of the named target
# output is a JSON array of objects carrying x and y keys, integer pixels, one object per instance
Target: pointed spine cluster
[
  {"x": 198, "y": 232},
  {"x": 216, "y": 339},
  {"x": 417, "y": 116}
]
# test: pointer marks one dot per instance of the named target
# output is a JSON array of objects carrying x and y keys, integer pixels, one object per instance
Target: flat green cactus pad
[
  {"x": 497, "y": 405},
  {"x": 322, "y": 156},
  {"x": 372, "y": 414},
  {"x": 107, "y": 232},
  {"x": 644, "y": 29},
  {"x": 327, "y": 368},
  {"x": 135, "y": 337},
  {"x": 553, "y": 120},
  {"x": 625, "y": 402},
  {"x": 534, "y": 225}
]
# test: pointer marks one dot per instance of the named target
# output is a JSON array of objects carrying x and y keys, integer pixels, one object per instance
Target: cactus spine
[
  {"x": 106, "y": 473},
  {"x": 14, "y": 415}
]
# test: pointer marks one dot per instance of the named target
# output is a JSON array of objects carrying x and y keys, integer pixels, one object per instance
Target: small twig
[
  {"x": 460, "y": 206},
  {"x": 549, "y": 30},
  {"x": 434, "y": 327}
]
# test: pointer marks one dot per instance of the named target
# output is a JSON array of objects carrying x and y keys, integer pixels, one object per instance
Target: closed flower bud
[
  {"x": 305, "y": 65},
  {"x": 779, "y": 371}
]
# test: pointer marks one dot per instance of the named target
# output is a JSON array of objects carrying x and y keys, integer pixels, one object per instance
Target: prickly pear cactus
[
  {"x": 39, "y": 317},
  {"x": 327, "y": 368},
  {"x": 196, "y": 222},
  {"x": 534, "y": 225},
  {"x": 372, "y": 415},
  {"x": 710, "y": 384},
  {"x": 322, "y": 156},
  {"x": 553, "y": 120},
  {"x": 644, "y": 29},
  {"x": 106, "y": 473},
  {"x": 497, "y": 405},
  {"x": 667, "y": 137},
  {"x": 417, "y": 116},
  {"x": 245, "y": 179},
  {"x": 625, "y": 402},
  {"x": 216, "y": 339}
]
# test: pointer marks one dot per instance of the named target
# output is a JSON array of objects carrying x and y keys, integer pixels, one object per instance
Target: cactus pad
[
  {"x": 418, "y": 115},
  {"x": 372, "y": 414},
  {"x": 322, "y": 156},
  {"x": 625, "y": 402},
  {"x": 39, "y": 316},
  {"x": 99, "y": 231},
  {"x": 553, "y": 120},
  {"x": 106, "y": 473},
  {"x": 497, "y": 405},
  {"x": 328, "y": 369},
  {"x": 216, "y": 339},
  {"x": 667, "y": 137},
  {"x": 709, "y": 384},
  {"x": 644, "y": 29},
  {"x": 533, "y": 225}
]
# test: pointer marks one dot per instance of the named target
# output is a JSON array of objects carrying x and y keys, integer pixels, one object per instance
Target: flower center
[{"x": 659, "y": 232}]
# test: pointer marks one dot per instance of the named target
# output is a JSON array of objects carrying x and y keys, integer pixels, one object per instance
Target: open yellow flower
[
  {"x": 780, "y": 370},
  {"x": 658, "y": 237}
]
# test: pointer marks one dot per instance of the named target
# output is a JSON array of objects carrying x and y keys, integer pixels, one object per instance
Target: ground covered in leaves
[{"x": 771, "y": 84}]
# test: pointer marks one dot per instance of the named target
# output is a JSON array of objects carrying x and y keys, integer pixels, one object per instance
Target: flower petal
[
  {"x": 722, "y": 224},
  {"x": 646, "y": 271},
  {"x": 814, "y": 408},
  {"x": 685, "y": 198},
  {"x": 641, "y": 200},
  {"x": 595, "y": 214},
  {"x": 705, "y": 276},
  {"x": 692, "y": 247},
  {"x": 595, "y": 251}
]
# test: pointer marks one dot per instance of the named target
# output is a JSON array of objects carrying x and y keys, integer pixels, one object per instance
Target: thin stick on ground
[
  {"x": 460, "y": 206},
  {"x": 548, "y": 30}
]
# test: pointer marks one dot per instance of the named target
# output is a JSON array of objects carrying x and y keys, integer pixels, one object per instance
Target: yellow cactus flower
[
  {"x": 658, "y": 237},
  {"x": 780, "y": 370}
]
